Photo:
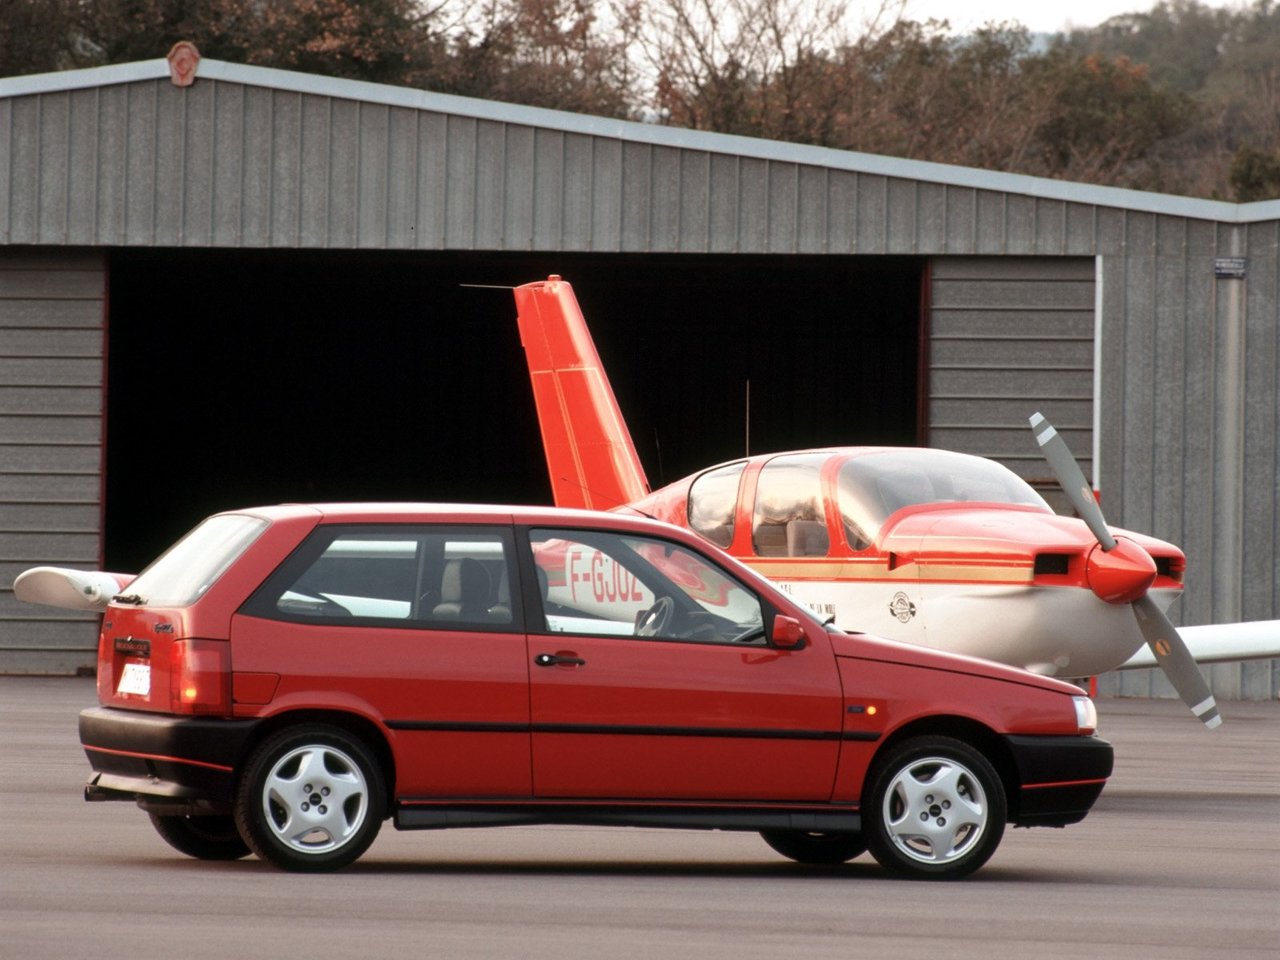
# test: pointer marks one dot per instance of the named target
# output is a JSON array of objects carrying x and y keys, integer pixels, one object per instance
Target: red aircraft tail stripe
[{"x": 590, "y": 456}]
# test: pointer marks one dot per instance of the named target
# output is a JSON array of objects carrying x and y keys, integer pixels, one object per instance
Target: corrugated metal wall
[
  {"x": 1190, "y": 420},
  {"x": 231, "y": 165},
  {"x": 1188, "y": 401},
  {"x": 51, "y": 389},
  {"x": 1009, "y": 336}
]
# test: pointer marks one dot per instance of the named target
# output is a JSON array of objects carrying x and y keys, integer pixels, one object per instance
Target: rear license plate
[{"x": 135, "y": 680}]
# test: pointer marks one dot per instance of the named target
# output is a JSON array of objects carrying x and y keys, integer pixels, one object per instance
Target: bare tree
[
  {"x": 740, "y": 66},
  {"x": 551, "y": 53}
]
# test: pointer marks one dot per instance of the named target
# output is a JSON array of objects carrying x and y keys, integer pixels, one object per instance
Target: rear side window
[{"x": 403, "y": 575}]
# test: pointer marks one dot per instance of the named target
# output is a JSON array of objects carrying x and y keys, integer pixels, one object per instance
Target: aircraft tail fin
[{"x": 590, "y": 456}]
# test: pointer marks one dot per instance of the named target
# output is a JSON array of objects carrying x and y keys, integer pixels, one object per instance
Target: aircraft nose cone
[{"x": 1122, "y": 574}]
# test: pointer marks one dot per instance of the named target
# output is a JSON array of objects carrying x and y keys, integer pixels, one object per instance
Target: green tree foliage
[
  {"x": 1255, "y": 175},
  {"x": 370, "y": 40},
  {"x": 1179, "y": 41},
  {"x": 36, "y": 36},
  {"x": 1227, "y": 64},
  {"x": 117, "y": 31},
  {"x": 1106, "y": 120}
]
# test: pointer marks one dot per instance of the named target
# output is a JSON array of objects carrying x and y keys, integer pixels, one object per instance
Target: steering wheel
[{"x": 655, "y": 620}]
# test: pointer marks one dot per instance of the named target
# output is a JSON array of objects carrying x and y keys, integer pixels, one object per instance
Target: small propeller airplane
[{"x": 920, "y": 545}]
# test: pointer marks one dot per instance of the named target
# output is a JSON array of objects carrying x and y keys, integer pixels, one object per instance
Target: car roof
[
  {"x": 409, "y": 512},
  {"x": 473, "y": 513}
]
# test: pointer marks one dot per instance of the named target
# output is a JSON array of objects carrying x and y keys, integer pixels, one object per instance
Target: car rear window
[{"x": 191, "y": 566}]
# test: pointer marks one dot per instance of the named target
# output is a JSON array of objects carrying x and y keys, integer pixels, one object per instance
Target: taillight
[
  {"x": 106, "y": 660},
  {"x": 200, "y": 677}
]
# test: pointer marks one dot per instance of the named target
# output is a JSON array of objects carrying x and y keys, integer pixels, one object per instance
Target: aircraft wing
[{"x": 1220, "y": 643}]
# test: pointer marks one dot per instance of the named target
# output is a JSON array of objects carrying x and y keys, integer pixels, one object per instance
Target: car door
[
  {"x": 651, "y": 679},
  {"x": 411, "y": 626}
]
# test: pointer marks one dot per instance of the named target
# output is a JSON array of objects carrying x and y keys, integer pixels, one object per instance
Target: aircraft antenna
[{"x": 747, "y": 418}]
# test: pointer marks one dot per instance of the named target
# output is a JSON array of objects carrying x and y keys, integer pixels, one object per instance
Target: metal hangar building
[{"x": 236, "y": 285}]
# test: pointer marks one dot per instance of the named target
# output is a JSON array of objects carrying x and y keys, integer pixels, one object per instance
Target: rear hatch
[
  {"x": 147, "y": 661},
  {"x": 148, "y": 657}
]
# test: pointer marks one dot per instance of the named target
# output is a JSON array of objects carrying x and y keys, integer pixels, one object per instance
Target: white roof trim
[
  {"x": 653, "y": 134},
  {"x": 81, "y": 79}
]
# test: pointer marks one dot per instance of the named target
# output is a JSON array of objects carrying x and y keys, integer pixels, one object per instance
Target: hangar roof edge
[{"x": 652, "y": 134}]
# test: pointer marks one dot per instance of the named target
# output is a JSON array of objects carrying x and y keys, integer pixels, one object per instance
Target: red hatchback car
[{"x": 285, "y": 679}]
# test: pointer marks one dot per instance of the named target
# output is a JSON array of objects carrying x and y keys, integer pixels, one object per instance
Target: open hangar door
[{"x": 238, "y": 378}]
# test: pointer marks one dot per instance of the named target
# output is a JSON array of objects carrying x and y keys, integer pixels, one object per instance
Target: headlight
[{"x": 1086, "y": 715}]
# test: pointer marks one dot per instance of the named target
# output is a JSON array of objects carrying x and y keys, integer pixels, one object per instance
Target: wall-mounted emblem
[
  {"x": 902, "y": 607},
  {"x": 183, "y": 59}
]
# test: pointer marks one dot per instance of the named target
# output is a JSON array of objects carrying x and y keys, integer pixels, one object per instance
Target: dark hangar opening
[{"x": 238, "y": 378}]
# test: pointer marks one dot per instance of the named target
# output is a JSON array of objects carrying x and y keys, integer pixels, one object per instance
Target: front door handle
[{"x": 558, "y": 660}]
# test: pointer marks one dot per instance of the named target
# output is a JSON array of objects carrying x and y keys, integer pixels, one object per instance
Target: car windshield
[
  {"x": 874, "y": 486},
  {"x": 191, "y": 566}
]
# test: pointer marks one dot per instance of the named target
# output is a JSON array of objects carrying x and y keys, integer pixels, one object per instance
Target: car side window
[
  {"x": 391, "y": 574},
  {"x": 606, "y": 584}
]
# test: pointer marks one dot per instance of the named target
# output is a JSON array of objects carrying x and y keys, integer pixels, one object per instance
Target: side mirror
[{"x": 788, "y": 634}]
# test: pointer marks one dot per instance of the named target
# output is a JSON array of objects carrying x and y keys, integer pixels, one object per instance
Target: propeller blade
[
  {"x": 1169, "y": 649},
  {"x": 1175, "y": 660},
  {"x": 1071, "y": 479}
]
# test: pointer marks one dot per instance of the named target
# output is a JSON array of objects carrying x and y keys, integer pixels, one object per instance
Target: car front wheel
[
  {"x": 311, "y": 799},
  {"x": 935, "y": 809},
  {"x": 804, "y": 846},
  {"x": 206, "y": 838}
]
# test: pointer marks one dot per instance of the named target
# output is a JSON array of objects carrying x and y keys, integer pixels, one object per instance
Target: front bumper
[
  {"x": 163, "y": 761},
  {"x": 1059, "y": 778}
]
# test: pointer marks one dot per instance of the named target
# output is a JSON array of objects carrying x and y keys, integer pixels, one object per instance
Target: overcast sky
[{"x": 1038, "y": 17}]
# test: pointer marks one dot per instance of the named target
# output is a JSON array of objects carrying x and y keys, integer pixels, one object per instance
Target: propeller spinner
[{"x": 1117, "y": 571}]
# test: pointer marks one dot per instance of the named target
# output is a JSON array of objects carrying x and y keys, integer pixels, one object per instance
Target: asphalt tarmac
[{"x": 1180, "y": 858}]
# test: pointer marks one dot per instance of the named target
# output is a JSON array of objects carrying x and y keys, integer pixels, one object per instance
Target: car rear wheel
[
  {"x": 935, "y": 808},
  {"x": 205, "y": 838},
  {"x": 804, "y": 846},
  {"x": 311, "y": 798}
]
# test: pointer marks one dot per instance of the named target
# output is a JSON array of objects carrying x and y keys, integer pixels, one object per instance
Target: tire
[
  {"x": 311, "y": 798},
  {"x": 205, "y": 838},
  {"x": 804, "y": 846},
  {"x": 934, "y": 808}
]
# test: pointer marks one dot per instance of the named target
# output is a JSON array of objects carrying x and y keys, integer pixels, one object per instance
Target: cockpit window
[
  {"x": 713, "y": 501},
  {"x": 789, "y": 520},
  {"x": 873, "y": 487}
]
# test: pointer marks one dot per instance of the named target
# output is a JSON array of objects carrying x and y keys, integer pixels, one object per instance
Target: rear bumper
[
  {"x": 162, "y": 761},
  {"x": 1059, "y": 778}
]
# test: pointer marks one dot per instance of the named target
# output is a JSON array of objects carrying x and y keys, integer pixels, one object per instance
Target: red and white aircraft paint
[{"x": 925, "y": 546}]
